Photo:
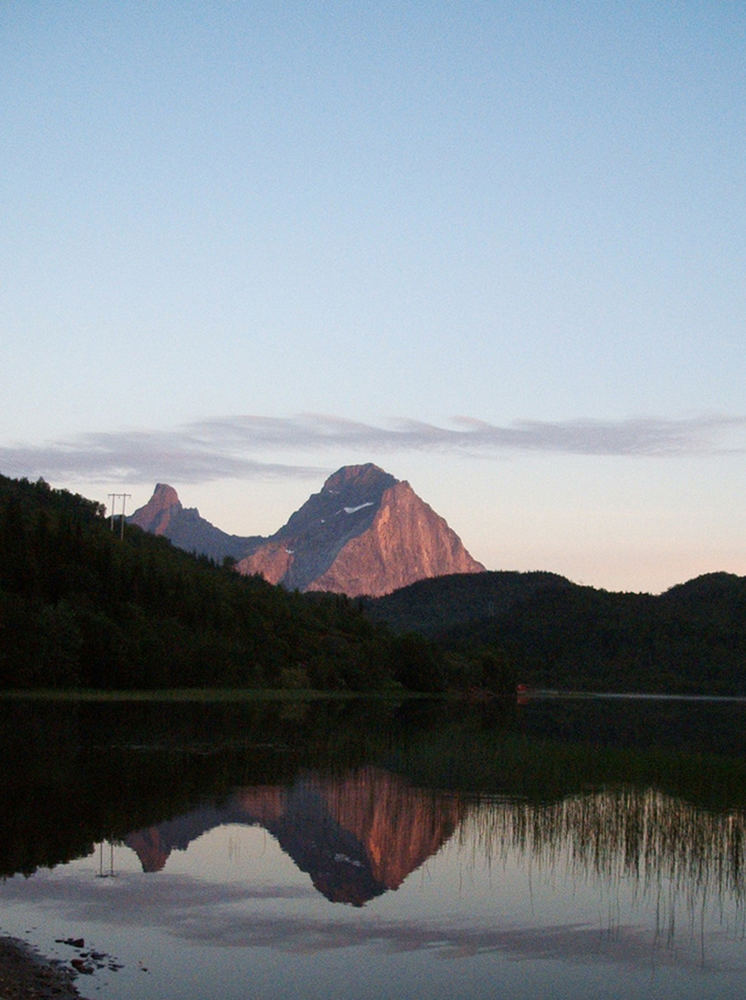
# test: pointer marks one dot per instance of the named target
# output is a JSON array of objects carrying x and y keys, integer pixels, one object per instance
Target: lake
[{"x": 370, "y": 849}]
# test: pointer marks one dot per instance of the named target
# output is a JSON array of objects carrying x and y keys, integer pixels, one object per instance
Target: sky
[{"x": 496, "y": 248}]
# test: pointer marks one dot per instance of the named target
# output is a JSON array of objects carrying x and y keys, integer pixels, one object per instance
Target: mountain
[
  {"x": 164, "y": 515},
  {"x": 364, "y": 533}
]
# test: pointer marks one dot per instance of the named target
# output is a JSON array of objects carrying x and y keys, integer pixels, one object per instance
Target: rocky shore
[{"x": 26, "y": 975}]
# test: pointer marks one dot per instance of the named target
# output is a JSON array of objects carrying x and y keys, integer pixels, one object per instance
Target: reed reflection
[{"x": 662, "y": 849}]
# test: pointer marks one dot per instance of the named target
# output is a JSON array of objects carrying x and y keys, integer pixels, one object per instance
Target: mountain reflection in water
[
  {"x": 550, "y": 844},
  {"x": 363, "y": 834},
  {"x": 356, "y": 837}
]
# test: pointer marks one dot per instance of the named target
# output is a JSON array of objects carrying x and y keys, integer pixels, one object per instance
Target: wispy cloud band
[{"x": 236, "y": 447}]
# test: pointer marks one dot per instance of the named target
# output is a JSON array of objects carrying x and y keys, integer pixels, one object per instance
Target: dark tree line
[{"x": 556, "y": 634}]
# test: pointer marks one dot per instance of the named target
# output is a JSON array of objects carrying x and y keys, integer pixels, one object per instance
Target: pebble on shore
[{"x": 26, "y": 975}]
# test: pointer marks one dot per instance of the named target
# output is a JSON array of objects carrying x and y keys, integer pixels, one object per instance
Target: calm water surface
[{"x": 564, "y": 849}]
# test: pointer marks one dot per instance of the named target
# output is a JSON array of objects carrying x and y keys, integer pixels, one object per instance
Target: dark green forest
[
  {"x": 82, "y": 607},
  {"x": 557, "y": 634}
]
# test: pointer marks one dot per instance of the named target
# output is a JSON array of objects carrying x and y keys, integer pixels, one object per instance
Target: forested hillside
[
  {"x": 81, "y": 607},
  {"x": 556, "y": 634},
  {"x": 431, "y": 607}
]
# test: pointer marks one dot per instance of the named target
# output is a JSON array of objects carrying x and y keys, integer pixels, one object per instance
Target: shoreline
[{"x": 25, "y": 974}]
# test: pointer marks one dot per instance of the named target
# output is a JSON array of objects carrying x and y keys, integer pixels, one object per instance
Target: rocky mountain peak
[
  {"x": 365, "y": 532},
  {"x": 157, "y": 513},
  {"x": 165, "y": 496},
  {"x": 358, "y": 477}
]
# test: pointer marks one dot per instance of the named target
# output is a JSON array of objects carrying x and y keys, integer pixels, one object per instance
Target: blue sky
[{"x": 497, "y": 248}]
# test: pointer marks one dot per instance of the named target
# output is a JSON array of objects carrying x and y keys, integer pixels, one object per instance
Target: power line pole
[{"x": 114, "y": 497}]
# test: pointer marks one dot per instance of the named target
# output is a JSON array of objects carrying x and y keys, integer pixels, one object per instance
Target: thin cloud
[{"x": 235, "y": 447}]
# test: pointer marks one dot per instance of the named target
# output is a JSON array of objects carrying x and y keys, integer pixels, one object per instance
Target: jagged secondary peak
[
  {"x": 165, "y": 496},
  {"x": 163, "y": 514},
  {"x": 156, "y": 515}
]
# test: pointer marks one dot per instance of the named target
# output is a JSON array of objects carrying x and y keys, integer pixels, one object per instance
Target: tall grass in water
[{"x": 661, "y": 849}]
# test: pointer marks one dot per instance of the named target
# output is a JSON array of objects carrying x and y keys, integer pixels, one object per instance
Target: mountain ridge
[{"x": 364, "y": 533}]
